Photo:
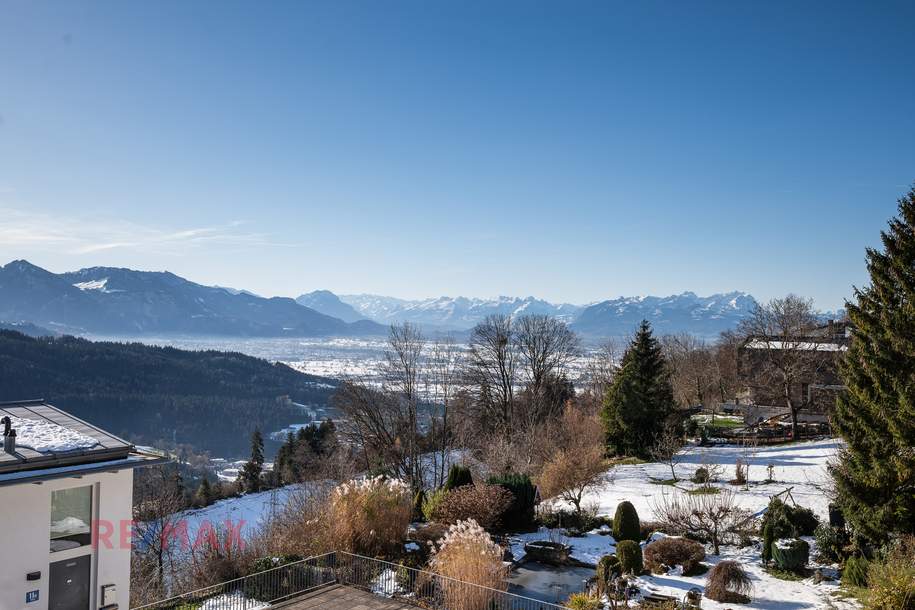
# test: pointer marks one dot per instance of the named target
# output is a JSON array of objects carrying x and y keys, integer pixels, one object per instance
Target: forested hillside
[{"x": 158, "y": 395}]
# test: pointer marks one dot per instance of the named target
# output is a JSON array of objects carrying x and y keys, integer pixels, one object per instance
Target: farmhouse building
[
  {"x": 811, "y": 362},
  {"x": 66, "y": 492}
]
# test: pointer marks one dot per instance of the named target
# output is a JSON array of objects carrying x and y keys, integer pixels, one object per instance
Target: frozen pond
[{"x": 548, "y": 583}]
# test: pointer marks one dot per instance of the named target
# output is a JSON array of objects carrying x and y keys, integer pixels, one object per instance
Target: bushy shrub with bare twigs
[
  {"x": 485, "y": 504},
  {"x": 716, "y": 518},
  {"x": 666, "y": 553},
  {"x": 468, "y": 555}
]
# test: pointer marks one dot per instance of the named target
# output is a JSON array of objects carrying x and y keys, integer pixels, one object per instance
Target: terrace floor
[{"x": 340, "y": 597}]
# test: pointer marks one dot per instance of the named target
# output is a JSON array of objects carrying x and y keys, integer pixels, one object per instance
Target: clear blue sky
[{"x": 575, "y": 151}]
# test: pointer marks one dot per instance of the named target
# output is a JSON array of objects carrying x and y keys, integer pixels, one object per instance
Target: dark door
[{"x": 69, "y": 584}]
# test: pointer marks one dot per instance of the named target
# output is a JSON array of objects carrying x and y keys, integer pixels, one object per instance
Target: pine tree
[
  {"x": 640, "y": 398},
  {"x": 250, "y": 475},
  {"x": 204, "y": 496},
  {"x": 875, "y": 477}
]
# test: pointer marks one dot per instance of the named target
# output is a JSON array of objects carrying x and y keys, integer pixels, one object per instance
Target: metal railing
[
  {"x": 382, "y": 578},
  {"x": 428, "y": 589},
  {"x": 258, "y": 590}
]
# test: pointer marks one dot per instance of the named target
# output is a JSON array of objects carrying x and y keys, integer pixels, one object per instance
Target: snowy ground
[{"x": 800, "y": 466}]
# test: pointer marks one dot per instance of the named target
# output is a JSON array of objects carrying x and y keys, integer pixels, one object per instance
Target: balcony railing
[{"x": 409, "y": 585}]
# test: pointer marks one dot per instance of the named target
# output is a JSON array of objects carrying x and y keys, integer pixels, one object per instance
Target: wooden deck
[{"x": 341, "y": 597}]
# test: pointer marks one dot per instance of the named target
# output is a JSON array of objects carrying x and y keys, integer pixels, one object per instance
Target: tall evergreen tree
[
  {"x": 250, "y": 474},
  {"x": 640, "y": 398},
  {"x": 875, "y": 477}
]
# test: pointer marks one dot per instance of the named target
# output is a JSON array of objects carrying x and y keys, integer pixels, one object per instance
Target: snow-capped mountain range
[
  {"x": 686, "y": 312},
  {"x": 108, "y": 300}
]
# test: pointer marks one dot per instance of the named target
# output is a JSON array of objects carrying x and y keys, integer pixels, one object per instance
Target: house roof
[{"x": 52, "y": 442}]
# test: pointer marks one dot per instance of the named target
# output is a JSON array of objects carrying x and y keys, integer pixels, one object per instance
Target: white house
[{"x": 66, "y": 492}]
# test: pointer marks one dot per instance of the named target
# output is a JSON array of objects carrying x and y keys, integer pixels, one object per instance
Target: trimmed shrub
[
  {"x": 520, "y": 515},
  {"x": 630, "y": 555},
  {"x": 458, "y": 476},
  {"x": 608, "y": 568},
  {"x": 583, "y": 601},
  {"x": 854, "y": 573},
  {"x": 891, "y": 582},
  {"x": 431, "y": 503},
  {"x": 701, "y": 475},
  {"x": 728, "y": 583},
  {"x": 768, "y": 542},
  {"x": 666, "y": 553},
  {"x": 830, "y": 541},
  {"x": 626, "y": 523},
  {"x": 485, "y": 504},
  {"x": 791, "y": 555},
  {"x": 418, "y": 499}
]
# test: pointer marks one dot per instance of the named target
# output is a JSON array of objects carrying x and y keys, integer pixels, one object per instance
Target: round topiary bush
[
  {"x": 701, "y": 476},
  {"x": 630, "y": 556},
  {"x": 790, "y": 555},
  {"x": 854, "y": 573},
  {"x": 663, "y": 554},
  {"x": 728, "y": 583},
  {"x": 626, "y": 524},
  {"x": 608, "y": 568}
]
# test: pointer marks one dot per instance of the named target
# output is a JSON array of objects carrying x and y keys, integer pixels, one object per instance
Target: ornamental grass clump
[
  {"x": 728, "y": 583},
  {"x": 467, "y": 556},
  {"x": 583, "y": 601},
  {"x": 369, "y": 516}
]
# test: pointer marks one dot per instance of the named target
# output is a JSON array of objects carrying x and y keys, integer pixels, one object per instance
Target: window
[{"x": 71, "y": 516}]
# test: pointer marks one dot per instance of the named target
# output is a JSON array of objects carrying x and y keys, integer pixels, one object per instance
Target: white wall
[{"x": 25, "y": 519}]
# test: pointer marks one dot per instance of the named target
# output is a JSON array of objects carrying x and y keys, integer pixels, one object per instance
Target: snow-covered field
[{"x": 800, "y": 466}]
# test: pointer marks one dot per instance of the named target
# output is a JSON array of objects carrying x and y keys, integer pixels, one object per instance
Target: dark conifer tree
[
  {"x": 640, "y": 398},
  {"x": 250, "y": 474},
  {"x": 875, "y": 477}
]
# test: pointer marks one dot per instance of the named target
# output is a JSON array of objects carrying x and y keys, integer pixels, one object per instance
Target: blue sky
[{"x": 575, "y": 151}]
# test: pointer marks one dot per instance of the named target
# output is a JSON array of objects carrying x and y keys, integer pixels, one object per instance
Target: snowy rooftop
[{"x": 47, "y": 437}]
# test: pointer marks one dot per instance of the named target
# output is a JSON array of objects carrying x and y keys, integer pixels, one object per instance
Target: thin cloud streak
[{"x": 83, "y": 236}]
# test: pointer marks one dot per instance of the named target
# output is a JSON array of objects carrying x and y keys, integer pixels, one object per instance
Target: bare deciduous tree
[
  {"x": 577, "y": 463},
  {"x": 786, "y": 362},
  {"x": 546, "y": 346},
  {"x": 445, "y": 365},
  {"x": 692, "y": 368},
  {"x": 713, "y": 517},
  {"x": 402, "y": 374},
  {"x": 158, "y": 502},
  {"x": 492, "y": 370},
  {"x": 667, "y": 448}
]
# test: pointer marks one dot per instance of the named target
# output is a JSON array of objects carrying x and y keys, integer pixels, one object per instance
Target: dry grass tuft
[
  {"x": 728, "y": 583},
  {"x": 467, "y": 554}
]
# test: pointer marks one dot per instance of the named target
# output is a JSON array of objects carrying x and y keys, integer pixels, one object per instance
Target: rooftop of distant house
[
  {"x": 41, "y": 441},
  {"x": 830, "y": 337}
]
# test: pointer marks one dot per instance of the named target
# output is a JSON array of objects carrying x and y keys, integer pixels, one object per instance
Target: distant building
[
  {"x": 816, "y": 370},
  {"x": 66, "y": 503}
]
